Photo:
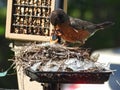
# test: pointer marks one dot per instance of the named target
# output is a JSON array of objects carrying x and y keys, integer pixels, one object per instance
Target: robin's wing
[
  {"x": 79, "y": 24},
  {"x": 85, "y": 25}
]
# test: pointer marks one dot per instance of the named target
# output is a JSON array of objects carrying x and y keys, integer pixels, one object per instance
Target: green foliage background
[{"x": 95, "y": 11}]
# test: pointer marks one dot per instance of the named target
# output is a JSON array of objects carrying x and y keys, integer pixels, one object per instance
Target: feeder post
[{"x": 61, "y": 4}]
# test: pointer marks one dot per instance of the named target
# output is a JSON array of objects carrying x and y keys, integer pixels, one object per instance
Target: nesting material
[{"x": 55, "y": 58}]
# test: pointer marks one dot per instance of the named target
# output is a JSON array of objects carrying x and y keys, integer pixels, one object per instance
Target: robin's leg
[
  {"x": 69, "y": 44},
  {"x": 82, "y": 42},
  {"x": 65, "y": 43}
]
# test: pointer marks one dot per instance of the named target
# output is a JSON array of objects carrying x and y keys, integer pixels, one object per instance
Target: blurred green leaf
[
  {"x": 2, "y": 31},
  {"x": 88, "y": 15},
  {"x": 3, "y": 11},
  {"x": 2, "y": 20}
]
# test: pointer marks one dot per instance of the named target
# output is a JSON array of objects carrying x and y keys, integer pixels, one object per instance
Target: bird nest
[
  {"x": 53, "y": 63},
  {"x": 56, "y": 58}
]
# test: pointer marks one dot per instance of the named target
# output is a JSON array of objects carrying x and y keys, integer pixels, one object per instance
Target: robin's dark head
[{"x": 58, "y": 17}]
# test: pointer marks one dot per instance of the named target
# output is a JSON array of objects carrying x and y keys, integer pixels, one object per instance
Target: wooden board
[{"x": 29, "y": 20}]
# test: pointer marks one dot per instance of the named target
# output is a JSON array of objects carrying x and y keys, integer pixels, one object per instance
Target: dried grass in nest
[{"x": 27, "y": 56}]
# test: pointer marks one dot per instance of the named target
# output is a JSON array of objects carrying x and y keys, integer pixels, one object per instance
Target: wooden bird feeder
[{"x": 29, "y": 19}]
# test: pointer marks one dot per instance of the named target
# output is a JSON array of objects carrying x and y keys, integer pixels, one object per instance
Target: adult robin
[{"x": 74, "y": 30}]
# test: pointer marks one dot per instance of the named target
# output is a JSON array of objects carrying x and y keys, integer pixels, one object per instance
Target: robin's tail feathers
[{"x": 104, "y": 24}]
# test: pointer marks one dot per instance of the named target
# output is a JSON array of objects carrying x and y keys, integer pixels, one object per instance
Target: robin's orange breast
[{"x": 72, "y": 35}]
